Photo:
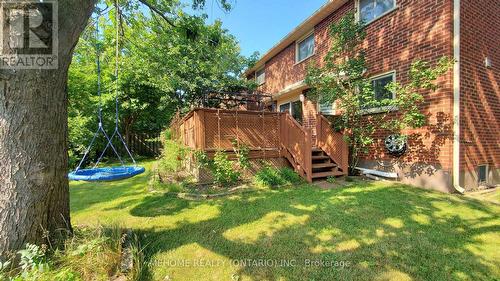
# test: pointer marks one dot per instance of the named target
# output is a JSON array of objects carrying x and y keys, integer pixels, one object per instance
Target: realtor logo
[{"x": 28, "y": 34}]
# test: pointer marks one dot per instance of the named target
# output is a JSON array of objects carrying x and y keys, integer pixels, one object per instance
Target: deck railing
[{"x": 213, "y": 130}]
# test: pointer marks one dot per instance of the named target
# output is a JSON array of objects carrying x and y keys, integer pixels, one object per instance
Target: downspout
[{"x": 456, "y": 97}]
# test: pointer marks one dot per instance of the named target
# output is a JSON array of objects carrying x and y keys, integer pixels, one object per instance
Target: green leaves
[
  {"x": 423, "y": 76},
  {"x": 223, "y": 170}
]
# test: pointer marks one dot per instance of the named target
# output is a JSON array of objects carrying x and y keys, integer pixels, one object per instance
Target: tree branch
[{"x": 157, "y": 11}]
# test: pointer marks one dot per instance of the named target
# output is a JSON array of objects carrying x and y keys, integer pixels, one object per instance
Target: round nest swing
[{"x": 106, "y": 173}]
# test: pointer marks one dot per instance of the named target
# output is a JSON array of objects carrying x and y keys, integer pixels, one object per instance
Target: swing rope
[{"x": 99, "y": 73}]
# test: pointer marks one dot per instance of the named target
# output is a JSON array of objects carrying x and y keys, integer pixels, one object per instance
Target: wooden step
[
  {"x": 320, "y": 157},
  {"x": 327, "y": 174},
  {"x": 324, "y": 165},
  {"x": 315, "y": 149}
]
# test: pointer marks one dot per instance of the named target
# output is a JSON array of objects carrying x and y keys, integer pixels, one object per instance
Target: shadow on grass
[
  {"x": 161, "y": 205},
  {"x": 383, "y": 232}
]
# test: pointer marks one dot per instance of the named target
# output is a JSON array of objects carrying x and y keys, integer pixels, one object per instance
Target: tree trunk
[{"x": 34, "y": 192}]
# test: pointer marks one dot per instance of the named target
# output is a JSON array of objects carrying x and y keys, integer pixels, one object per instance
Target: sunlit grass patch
[
  {"x": 265, "y": 227},
  {"x": 192, "y": 262},
  {"x": 393, "y": 222},
  {"x": 393, "y": 275}
]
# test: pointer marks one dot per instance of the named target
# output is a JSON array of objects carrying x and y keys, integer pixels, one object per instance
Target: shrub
[
  {"x": 202, "y": 159},
  {"x": 289, "y": 175},
  {"x": 271, "y": 177},
  {"x": 167, "y": 134},
  {"x": 223, "y": 170},
  {"x": 242, "y": 152},
  {"x": 172, "y": 155}
]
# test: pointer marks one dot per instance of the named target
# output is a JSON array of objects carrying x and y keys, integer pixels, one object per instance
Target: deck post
[
  {"x": 218, "y": 127},
  {"x": 201, "y": 130}
]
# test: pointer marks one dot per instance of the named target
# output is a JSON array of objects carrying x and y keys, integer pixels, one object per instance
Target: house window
[
  {"x": 326, "y": 108},
  {"x": 297, "y": 111},
  {"x": 379, "y": 85},
  {"x": 305, "y": 48},
  {"x": 285, "y": 107},
  {"x": 260, "y": 76},
  {"x": 294, "y": 108},
  {"x": 380, "y": 91},
  {"x": 370, "y": 10},
  {"x": 482, "y": 173}
]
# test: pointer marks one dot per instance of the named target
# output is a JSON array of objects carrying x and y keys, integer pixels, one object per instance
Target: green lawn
[{"x": 380, "y": 231}]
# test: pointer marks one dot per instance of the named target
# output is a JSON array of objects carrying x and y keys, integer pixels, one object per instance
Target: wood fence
[{"x": 144, "y": 144}]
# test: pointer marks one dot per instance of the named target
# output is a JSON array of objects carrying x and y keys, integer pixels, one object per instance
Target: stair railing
[
  {"x": 332, "y": 143},
  {"x": 296, "y": 143}
]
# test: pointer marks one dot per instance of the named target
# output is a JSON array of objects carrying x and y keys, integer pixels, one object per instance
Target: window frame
[
  {"x": 302, "y": 39},
  {"x": 263, "y": 68},
  {"x": 486, "y": 168},
  {"x": 358, "y": 12},
  {"x": 290, "y": 108},
  {"x": 382, "y": 108},
  {"x": 331, "y": 112}
]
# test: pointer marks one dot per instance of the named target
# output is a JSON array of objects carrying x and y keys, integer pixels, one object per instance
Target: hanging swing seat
[{"x": 106, "y": 173}]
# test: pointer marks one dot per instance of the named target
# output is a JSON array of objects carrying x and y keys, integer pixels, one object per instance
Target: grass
[
  {"x": 369, "y": 231},
  {"x": 492, "y": 196}
]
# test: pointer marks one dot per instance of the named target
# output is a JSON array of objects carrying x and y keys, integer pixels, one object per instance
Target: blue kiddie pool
[{"x": 106, "y": 173}]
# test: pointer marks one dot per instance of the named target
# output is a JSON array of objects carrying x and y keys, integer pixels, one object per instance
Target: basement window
[{"x": 482, "y": 173}]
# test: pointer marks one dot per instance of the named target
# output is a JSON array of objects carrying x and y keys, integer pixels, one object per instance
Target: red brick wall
[
  {"x": 310, "y": 112},
  {"x": 480, "y": 94},
  {"x": 417, "y": 30},
  {"x": 420, "y": 29}
]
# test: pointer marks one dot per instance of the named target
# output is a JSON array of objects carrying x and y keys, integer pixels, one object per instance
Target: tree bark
[{"x": 34, "y": 191}]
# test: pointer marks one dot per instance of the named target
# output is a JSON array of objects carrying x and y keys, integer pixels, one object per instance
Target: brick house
[{"x": 460, "y": 146}]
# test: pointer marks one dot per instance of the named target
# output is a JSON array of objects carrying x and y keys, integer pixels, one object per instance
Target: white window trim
[
  {"x": 358, "y": 13},
  {"x": 334, "y": 108},
  {"x": 387, "y": 108},
  {"x": 261, "y": 68},
  {"x": 300, "y": 40}
]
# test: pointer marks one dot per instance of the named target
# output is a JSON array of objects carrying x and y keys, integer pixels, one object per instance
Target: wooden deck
[{"x": 267, "y": 135}]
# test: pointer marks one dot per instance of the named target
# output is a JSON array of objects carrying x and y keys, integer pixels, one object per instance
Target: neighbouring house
[{"x": 460, "y": 147}]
